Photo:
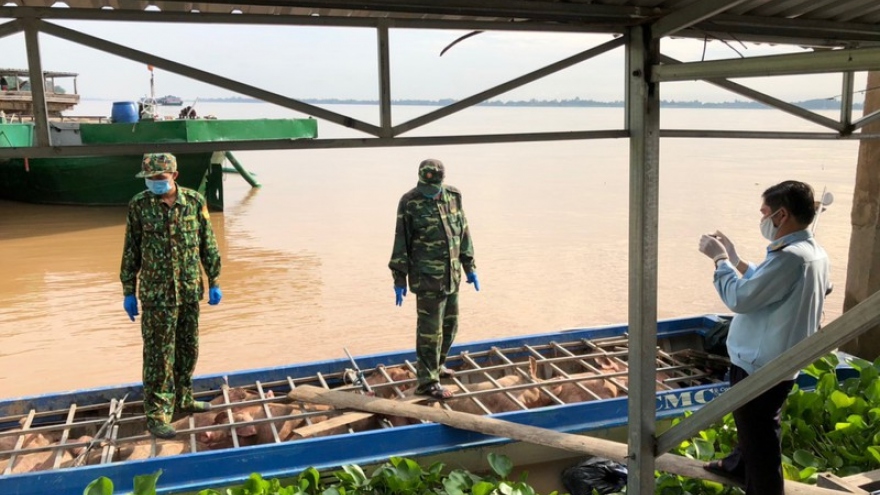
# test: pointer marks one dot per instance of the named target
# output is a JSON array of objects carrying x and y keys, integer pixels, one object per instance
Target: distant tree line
[{"x": 815, "y": 104}]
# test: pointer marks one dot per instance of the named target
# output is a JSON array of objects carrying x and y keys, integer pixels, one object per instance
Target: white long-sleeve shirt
[{"x": 777, "y": 303}]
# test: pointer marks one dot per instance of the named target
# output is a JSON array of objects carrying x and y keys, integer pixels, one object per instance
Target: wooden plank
[
  {"x": 336, "y": 421},
  {"x": 342, "y": 419},
  {"x": 828, "y": 480},
  {"x": 523, "y": 433},
  {"x": 864, "y": 479}
]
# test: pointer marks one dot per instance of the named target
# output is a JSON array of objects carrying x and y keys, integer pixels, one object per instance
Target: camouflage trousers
[
  {"x": 435, "y": 330},
  {"x": 171, "y": 348}
]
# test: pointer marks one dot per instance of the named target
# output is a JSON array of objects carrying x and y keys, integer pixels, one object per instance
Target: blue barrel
[{"x": 124, "y": 112}]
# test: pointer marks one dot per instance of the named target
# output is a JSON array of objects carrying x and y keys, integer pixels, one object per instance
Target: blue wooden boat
[{"x": 691, "y": 378}]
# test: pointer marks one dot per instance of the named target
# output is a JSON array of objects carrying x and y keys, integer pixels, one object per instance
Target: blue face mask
[{"x": 158, "y": 187}]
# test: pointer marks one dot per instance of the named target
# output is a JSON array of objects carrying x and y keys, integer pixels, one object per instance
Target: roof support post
[
  {"x": 643, "y": 124},
  {"x": 384, "y": 80},
  {"x": 38, "y": 89},
  {"x": 846, "y": 99}
]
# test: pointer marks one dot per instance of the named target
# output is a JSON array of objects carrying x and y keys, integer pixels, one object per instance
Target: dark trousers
[
  {"x": 436, "y": 328},
  {"x": 758, "y": 455},
  {"x": 171, "y": 349}
]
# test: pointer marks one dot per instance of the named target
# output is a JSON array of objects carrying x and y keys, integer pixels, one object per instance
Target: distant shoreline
[{"x": 817, "y": 104}]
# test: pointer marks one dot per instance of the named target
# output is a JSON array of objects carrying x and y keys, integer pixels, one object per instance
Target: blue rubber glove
[
  {"x": 472, "y": 279},
  {"x": 399, "y": 294},
  {"x": 214, "y": 296},
  {"x": 130, "y": 303}
]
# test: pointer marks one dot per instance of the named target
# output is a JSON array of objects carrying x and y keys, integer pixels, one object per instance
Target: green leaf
[
  {"x": 841, "y": 400},
  {"x": 704, "y": 450},
  {"x": 483, "y": 488},
  {"x": 501, "y": 464},
  {"x": 790, "y": 472},
  {"x": 805, "y": 458},
  {"x": 145, "y": 484},
  {"x": 807, "y": 473},
  {"x": 874, "y": 450},
  {"x": 100, "y": 486}
]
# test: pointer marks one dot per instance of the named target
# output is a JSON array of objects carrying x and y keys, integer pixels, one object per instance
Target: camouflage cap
[
  {"x": 431, "y": 172},
  {"x": 157, "y": 163}
]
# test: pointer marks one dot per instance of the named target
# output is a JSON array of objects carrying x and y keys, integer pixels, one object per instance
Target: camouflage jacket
[
  {"x": 432, "y": 242},
  {"x": 163, "y": 248}
]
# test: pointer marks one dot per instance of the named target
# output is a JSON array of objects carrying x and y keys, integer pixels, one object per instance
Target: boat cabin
[{"x": 15, "y": 92}]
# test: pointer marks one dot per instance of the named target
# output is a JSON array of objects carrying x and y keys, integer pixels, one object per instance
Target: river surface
[{"x": 305, "y": 257}]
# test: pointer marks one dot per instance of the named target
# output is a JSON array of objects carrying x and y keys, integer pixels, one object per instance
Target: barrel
[{"x": 124, "y": 112}]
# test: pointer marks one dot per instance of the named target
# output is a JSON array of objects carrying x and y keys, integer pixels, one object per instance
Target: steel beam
[
  {"x": 846, "y": 99},
  {"x": 826, "y": 136},
  {"x": 844, "y": 328},
  {"x": 768, "y": 100},
  {"x": 643, "y": 123},
  {"x": 206, "y": 77},
  {"x": 508, "y": 86},
  {"x": 774, "y": 65},
  {"x": 37, "y": 83},
  {"x": 10, "y": 28},
  {"x": 690, "y": 15},
  {"x": 867, "y": 119},
  {"x": 586, "y": 24},
  {"x": 276, "y": 144},
  {"x": 514, "y": 9},
  {"x": 384, "y": 81},
  {"x": 138, "y": 148}
]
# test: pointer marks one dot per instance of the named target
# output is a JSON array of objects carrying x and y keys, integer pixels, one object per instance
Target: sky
[{"x": 312, "y": 62}]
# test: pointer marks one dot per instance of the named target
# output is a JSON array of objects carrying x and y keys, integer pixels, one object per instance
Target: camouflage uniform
[
  {"x": 163, "y": 247},
  {"x": 432, "y": 244}
]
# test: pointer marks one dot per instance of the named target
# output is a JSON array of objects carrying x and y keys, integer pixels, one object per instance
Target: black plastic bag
[
  {"x": 715, "y": 339},
  {"x": 596, "y": 473}
]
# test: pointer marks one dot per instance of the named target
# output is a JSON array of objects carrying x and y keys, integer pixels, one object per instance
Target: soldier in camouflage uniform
[
  {"x": 168, "y": 233},
  {"x": 432, "y": 244}
]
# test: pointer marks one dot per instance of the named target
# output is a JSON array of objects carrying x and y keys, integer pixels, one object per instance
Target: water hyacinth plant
[{"x": 398, "y": 476}]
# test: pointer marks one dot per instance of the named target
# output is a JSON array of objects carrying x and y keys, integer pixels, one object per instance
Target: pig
[
  {"x": 37, "y": 461},
  {"x": 259, "y": 433},
  {"x": 207, "y": 418},
  {"x": 143, "y": 449},
  {"x": 8, "y": 442},
  {"x": 499, "y": 401},
  {"x": 602, "y": 388}
]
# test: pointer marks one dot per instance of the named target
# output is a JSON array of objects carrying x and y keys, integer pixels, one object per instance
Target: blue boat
[{"x": 688, "y": 377}]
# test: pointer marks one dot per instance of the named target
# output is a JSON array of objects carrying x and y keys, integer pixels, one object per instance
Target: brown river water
[{"x": 305, "y": 257}]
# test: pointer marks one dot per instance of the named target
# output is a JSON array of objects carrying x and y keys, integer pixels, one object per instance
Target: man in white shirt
[{"x": 777, "y": 304}]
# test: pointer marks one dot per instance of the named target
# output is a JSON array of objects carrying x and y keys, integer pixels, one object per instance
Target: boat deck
[{"x": 109, "y": 431}]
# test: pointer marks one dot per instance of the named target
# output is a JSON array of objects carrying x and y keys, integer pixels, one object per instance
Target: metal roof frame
[{"x": 845, "y": 36}]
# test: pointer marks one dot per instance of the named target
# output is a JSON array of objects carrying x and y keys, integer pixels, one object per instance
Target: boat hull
[
  {"x": 110, "y": 180},
  {"x": 196, "y": 471},
  {"x": 90, "y": 180}
]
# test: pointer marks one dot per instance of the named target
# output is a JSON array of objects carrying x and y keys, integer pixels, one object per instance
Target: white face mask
[{"x": 768, "y": 230}]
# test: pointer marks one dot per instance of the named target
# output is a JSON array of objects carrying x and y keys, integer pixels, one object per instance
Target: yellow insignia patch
[{"x": 205, "y": 212}]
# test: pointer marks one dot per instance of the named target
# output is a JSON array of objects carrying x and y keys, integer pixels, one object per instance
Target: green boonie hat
[
  {"x": 157, "y": 163},
  {"x": 431, "y": 172}
]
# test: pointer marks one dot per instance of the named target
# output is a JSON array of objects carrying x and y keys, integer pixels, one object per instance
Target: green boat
[{"x": 110, "y": 180}]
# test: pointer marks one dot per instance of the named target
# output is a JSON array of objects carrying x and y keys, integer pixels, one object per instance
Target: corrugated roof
[{"x": 802, "y": 22}]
